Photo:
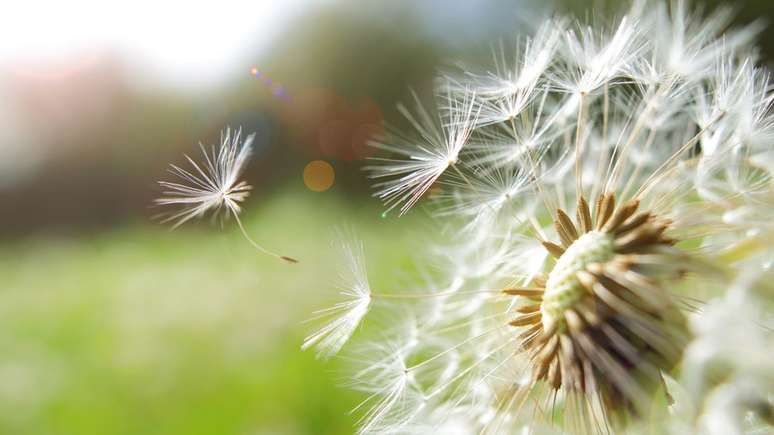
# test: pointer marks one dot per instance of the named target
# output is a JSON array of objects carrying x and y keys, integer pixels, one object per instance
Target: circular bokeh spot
[{"x": 319, "y": 175}]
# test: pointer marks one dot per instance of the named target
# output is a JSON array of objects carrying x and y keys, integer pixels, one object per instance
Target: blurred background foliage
[
  {"x": 109, "y": 323},
  {"x": 144, "y": 331}
]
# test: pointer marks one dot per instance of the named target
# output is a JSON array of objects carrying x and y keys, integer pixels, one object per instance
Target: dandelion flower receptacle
[
  {"x": 597, "y": 181},
  {"x": 213, "y": 185},
  {"x": 600, "y": 323}
]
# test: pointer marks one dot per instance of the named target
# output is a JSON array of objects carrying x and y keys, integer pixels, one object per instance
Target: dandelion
[
  {"x": 584, "y": 220},
  {"x": 213, "y": 186}
]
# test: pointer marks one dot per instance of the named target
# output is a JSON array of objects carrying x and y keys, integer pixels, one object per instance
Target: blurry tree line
[{"x": 329, "y": 84}]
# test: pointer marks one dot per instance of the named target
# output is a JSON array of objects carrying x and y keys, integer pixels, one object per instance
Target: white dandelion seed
[
  {"x": 393, "y": 397},
  {"x": 345, "y": 316},
  {"x": 486, "y": 193},
  {"x": 595, "y": 59},
  {"x": 687, "y": 44},
  {"x": 521, "y": 143},
  {"x": 436, "y": 149},
  {"x": 213, "y": 186},
  {"x": 515, "y": 81}
]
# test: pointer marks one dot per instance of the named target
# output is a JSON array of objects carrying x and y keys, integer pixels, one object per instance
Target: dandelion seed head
[{"x": 587, "y": 186}]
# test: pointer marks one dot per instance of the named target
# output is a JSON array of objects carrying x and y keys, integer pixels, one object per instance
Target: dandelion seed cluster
[{"x": 590, "y": 184}]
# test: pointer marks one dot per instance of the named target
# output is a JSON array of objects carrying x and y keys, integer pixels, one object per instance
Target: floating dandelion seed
[{"x": 213, "y": 186}]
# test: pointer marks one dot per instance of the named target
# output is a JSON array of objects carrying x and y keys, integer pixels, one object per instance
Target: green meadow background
[{"x": 151, "y": 331}]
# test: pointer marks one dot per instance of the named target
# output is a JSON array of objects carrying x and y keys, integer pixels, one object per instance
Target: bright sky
[
  {"x": 184, "y": 42},
  {"x": 168, "y": 43}
]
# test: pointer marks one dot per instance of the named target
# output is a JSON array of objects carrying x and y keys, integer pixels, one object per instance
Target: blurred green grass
[{"x": 147, "y": 331}]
